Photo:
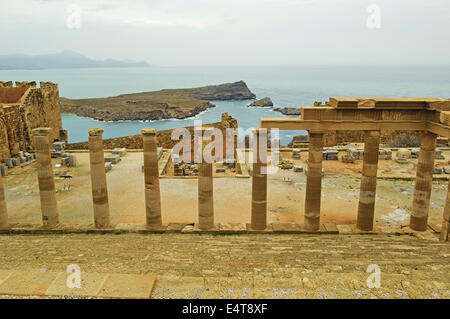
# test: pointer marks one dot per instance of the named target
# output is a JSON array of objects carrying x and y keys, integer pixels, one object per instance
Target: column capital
[
  {"x": 96, "y": 131},
  {"x": 41, "y": 131},
  {"x": 148, "y": 131}
]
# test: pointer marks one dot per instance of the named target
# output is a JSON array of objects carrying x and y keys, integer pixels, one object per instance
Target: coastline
[{"x": 156, "y": 105}]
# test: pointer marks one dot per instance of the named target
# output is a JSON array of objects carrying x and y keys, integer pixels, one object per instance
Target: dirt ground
[{"x": 232, "y": 196}]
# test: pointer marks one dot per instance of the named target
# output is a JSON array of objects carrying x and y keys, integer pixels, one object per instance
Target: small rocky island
[
  {"x": 288, "y": 110},
  {"x": 156, "y": 105},
  {"x": 266, "y": 101}
]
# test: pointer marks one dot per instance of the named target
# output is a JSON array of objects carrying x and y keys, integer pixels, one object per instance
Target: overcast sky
[{"x": 194, "y": 32}]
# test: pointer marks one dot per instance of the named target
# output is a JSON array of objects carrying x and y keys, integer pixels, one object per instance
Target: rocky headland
[{"x": 156, "y": 105}]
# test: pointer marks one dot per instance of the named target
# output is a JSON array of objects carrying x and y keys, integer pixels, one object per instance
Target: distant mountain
[{"x": 62, "y": 60}]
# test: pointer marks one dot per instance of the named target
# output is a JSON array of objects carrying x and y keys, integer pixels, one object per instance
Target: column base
[
  {"x": 444, "y": 231},
  {"x": 252, "y": 230},
  {"x": 418, "y": 223}
]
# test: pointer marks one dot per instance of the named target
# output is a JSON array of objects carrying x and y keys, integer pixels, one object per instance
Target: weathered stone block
[
  {"x": 4, "y": 170},
  {"x": 108, "y": 167},
  {"x": 57, "y": 154},
  {"x": 120, "y": 151},
  {"x": 33, "y": 283},
  {"x": 58, "y": 146},
  {"x": 439, "y": 154},
  {"x": 233, "y": 227},
  {"x": 71, "y": 160},
  {"x": 91, "y": 284},
  {"x": 286, "y": 227},
  {"x": 114, "y": 159},
  {"x": 128, "y": 286},
  {"x": 415, "y": 153},
  {"x": 348, "y": 159}
]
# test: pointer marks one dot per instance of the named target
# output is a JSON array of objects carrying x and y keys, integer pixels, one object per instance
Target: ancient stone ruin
[
  {"x": 24, "y": 107},
  {"x": 373, "y": 117}
]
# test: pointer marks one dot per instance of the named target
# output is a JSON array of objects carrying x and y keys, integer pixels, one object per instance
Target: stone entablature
[{"x": 375, "y": 108}]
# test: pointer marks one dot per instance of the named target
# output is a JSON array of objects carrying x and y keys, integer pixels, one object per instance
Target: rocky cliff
[{"x": 157, "y": 105}]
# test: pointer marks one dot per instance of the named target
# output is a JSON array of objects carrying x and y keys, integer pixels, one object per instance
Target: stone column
[
  {"x": 3, "y": 208},
  {"x": 366, "y": 207},
  {"x": 205, "y": 189},
  {"x": 314, "y": 182},
  {"x": 151, "y": 173},
  {"x": 259, "y": 180},
  {"x": 47, "y": 191},
  {"x": 446, "y": 220},
  {"x": 98, "y": 178},
  {"x": 424, "y": 179}
]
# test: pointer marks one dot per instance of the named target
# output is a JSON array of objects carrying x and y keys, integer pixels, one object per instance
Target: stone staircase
[{"x": 249, "y": 265}]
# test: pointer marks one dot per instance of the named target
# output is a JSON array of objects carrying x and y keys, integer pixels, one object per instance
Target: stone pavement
[{"x": 247, "y": 265}]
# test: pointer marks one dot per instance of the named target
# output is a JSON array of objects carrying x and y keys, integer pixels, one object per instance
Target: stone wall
[
  {"x": 23, "y": 108},
  {"x": 164, "y": 137},
  {"x": 42, "y": 109}
]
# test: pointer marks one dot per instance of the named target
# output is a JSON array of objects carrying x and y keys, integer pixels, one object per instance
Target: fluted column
[
  {"x": 259, "y": 180},
  {"x": 446, "y": 220},
  {"x": 98, "y": 178},
  {"x": 205, "y": 188},
  {"x": 366, "y": 207},
  {"x": 47, "y": 191},
  {"x": 314, "y": 182},
  {"x": 151, "y": 173},
  {"x": 424, "y": 180},
  {"x": 3, "y": 208}
]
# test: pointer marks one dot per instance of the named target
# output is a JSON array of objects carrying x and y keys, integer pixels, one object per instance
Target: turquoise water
[{"x": 288, "y": 86}]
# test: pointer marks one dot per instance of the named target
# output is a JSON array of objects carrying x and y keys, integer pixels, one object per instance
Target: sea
[{"x": 286, "y": 85}]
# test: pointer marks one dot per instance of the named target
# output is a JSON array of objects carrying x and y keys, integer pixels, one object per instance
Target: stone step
[
  {"x": 100, "y": 285},
  {"x": 303, "y": 285}
]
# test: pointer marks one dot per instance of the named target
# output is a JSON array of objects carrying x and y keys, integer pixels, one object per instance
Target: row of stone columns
[
  {"x": 366, "y": 207},
  {"x": 259, "y": 183}
]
